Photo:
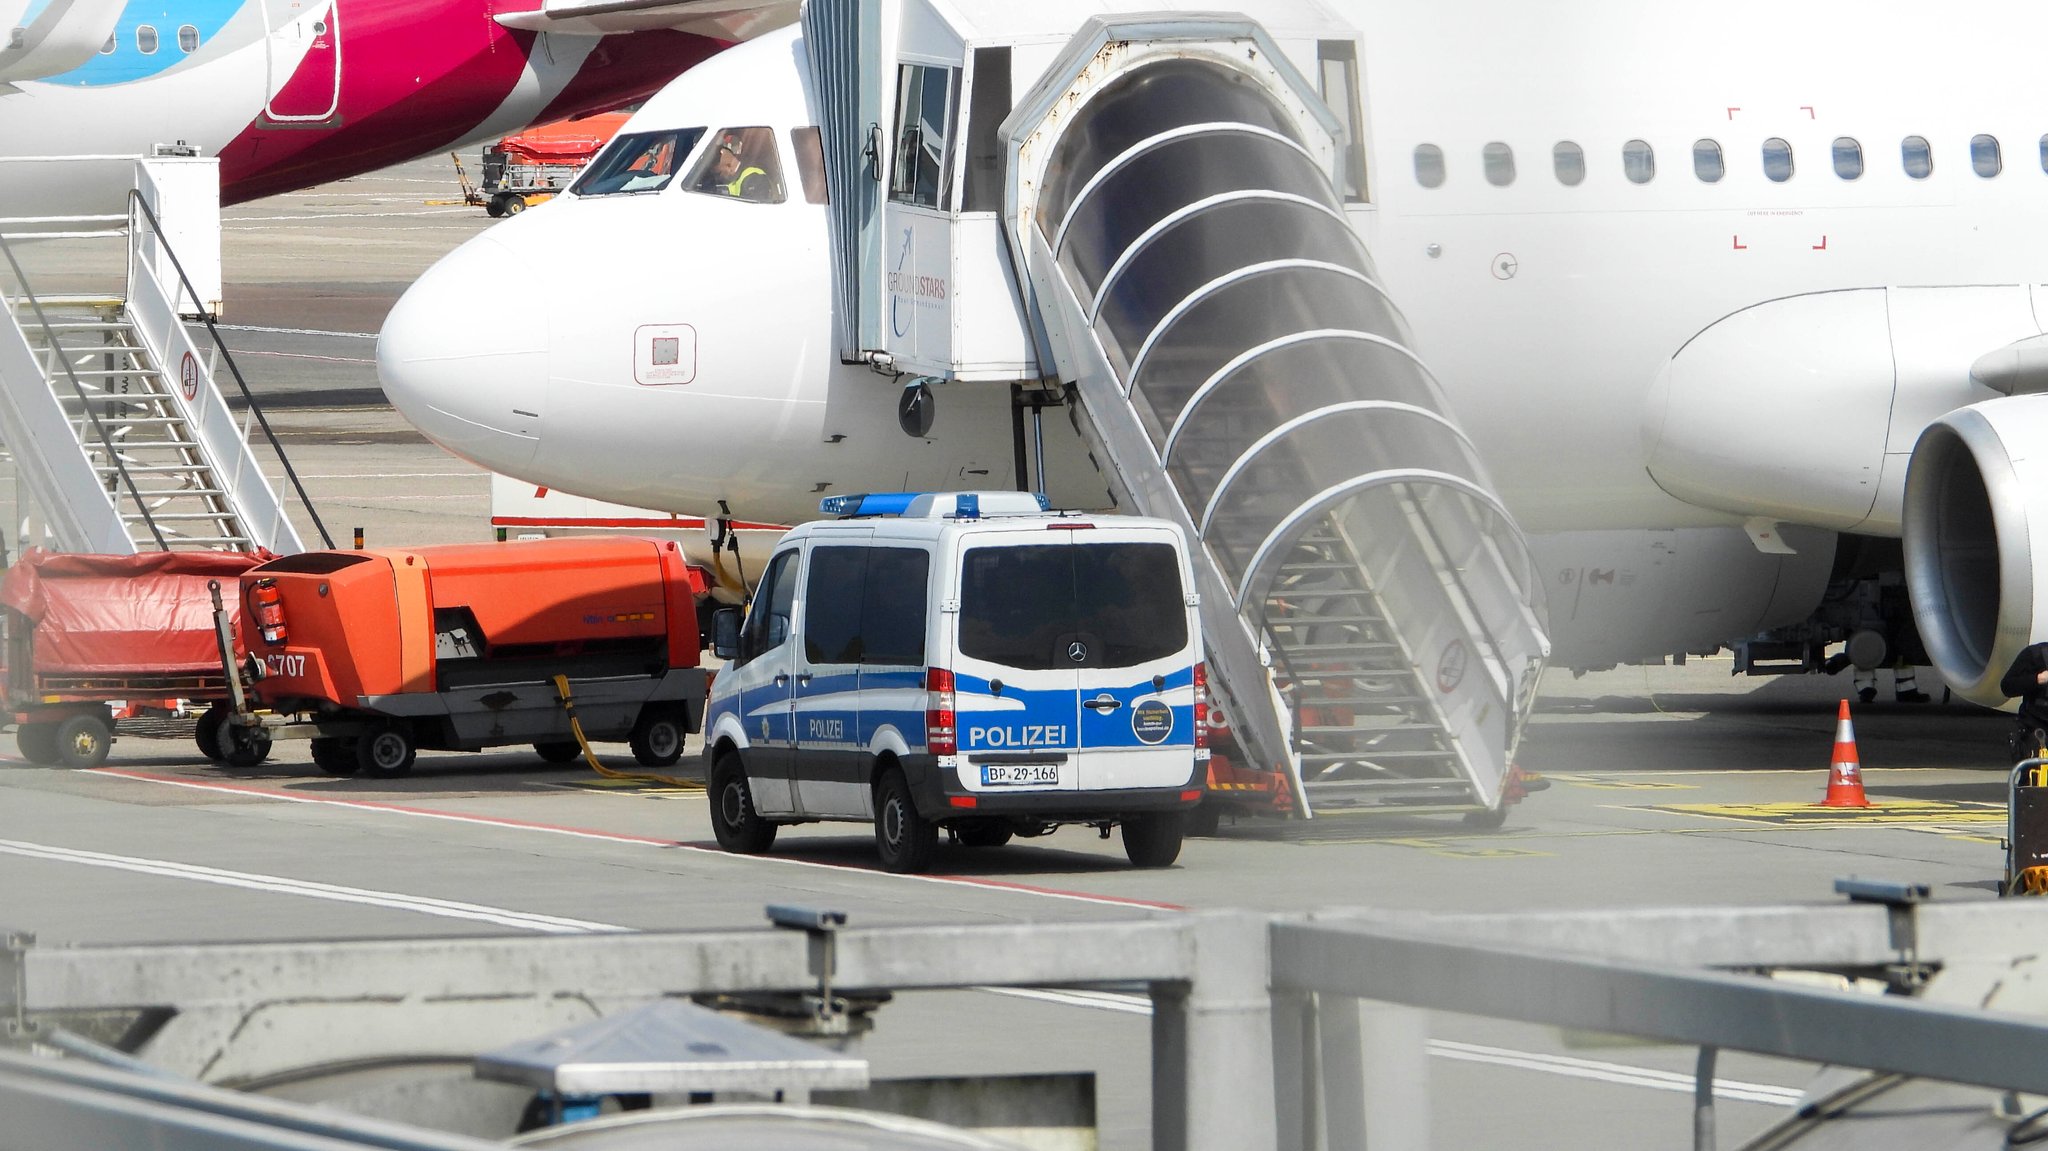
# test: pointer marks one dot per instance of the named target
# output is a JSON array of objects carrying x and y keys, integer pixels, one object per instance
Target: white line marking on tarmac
[
  {"x": 447, "y": 909},
  {"x": 612, "y": 837},
  {"x": 1569, "y": 1066},
  {"x": 296, "y": 219},
  {"x": 296, "y": 331},
  {"x": 308, "y": 356}
]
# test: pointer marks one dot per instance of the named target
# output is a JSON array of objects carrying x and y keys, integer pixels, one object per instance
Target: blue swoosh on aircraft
[{"x": 127, "y": 62}]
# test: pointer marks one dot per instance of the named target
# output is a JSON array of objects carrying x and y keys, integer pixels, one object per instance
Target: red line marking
[
  {"x": 1822, "y": 246},
  {"x": 1739, "y": 245},
  {"x": 1732, "y": 112}
]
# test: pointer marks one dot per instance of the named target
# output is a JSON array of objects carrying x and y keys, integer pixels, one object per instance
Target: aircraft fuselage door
[
  {"x": 304, "y": 61},
  {"x": 917, "y": 233}
]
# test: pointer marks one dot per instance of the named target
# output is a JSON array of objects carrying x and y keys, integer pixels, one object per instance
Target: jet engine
[{"x": 1975, "y": 518}]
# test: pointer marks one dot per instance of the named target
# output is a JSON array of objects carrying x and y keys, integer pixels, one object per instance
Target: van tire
[
  {"x": 558, "y": 751},
  {"x": 657, "y": 740},
  {"x": 739, "y": 828},
  {"x": 903, "y": 838},
  {"x": 386, "y": 752},
  {"x": 1154, "y": 840}
]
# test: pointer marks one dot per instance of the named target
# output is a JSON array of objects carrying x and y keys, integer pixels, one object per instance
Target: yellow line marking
[
  {"x": 1632, "y": 784},
  {"x": 1894, "y": 813}
]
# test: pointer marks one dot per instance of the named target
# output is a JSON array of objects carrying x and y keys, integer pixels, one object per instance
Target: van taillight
[
  {"x": 939, "y": 721},
  {"x": 269, "y": 611},
  {"x": 1201, "y": 705}
]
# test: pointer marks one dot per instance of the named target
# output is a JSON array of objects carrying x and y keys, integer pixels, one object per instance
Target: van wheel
[
  {"x": 1154, "y": 840},
  {"x": 904, "y": 838},
  {"x": 984, "y": 833},
  {"x": 558, "y": 752},
  {"x": 207, "y": 733},
  {"x": 386, "y": 752},
  {"x": 657, "y": 740},
  {"x": 739, "y": 828},
  {"x": 83, "y": 740},
  {"x": 334, "y": 755}
]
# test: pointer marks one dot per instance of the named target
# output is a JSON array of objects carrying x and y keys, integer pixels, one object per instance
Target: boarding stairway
[
  {"x": 1190, "y": 275},
  {"x": 120, "y": 451}
]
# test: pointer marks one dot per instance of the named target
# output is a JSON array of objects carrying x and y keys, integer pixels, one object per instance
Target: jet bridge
[{"x": 1146, "y": 218}]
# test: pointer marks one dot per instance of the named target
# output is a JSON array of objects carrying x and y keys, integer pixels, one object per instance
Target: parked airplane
[
  {"x": 289, "y": 93},
  {"x": 1695, "y": 286}
]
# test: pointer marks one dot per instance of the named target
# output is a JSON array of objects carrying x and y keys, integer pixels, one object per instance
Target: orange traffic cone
[{"x": 1845, "y": 778}]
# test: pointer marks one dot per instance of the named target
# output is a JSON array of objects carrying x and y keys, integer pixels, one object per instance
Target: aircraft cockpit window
[
  {"x": 188, "y": 38},
  {"x": 741, "y": 163},
  {"x": 1429, "y": 165},
  {"x": 1638, "y": 161},
  {"x": 1917, "y": 157},
  {"x": 1777, "y": 160},
  {"x": 1569, "y": 160},
  {"x": 1848, "y": 157},
  {"x": 1499, "y": 160},
  {"x": 640, "y": 162},
  {"x": 145, "y": 39},
  {"x": 925, "y": 95},
  {"x": 1707, "y": 163},
  {"x": 1984, "y": 156}
]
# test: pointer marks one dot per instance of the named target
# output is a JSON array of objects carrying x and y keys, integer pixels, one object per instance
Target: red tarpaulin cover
[
  {"x": 135, "y": 615},
  {"x": 564, "y": 141}
]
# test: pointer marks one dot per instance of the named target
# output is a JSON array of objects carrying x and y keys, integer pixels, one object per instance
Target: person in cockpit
[{"x": 731, "y": 171}]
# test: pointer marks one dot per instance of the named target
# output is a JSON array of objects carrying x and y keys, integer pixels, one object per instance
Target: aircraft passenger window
[
  {"x": 188, "y": 38},
  {"x": 1500, "y": 164},
  {"x": 1777, "y": 160},
  {"x": 641, "y": 162},
  {"x": 1848, "y": 157},
  {"x": 1638, "y": 161},
  {"x": 1429, "y": 165},
  {"x": 2044, "y": 153},
  {"x": 925, "y": 95},
  {"x": 1984, "y": 156},
  {"x": 1569, "y": 160},
  {"x": 145, "y": 39},
  {"x": 1917, "y": 157},
  {"x": 810, "y": 164},
  {"x": 741, "y": 163},
  {"x": 1339, "y": 79},
  {"x": 1707, "y": 163},
  {"x": 106, "y": 49}
]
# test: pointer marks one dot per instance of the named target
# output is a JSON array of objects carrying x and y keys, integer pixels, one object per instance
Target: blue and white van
[{"x": 966, "y": 661}]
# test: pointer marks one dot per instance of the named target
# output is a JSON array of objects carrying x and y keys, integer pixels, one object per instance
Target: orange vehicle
[
  {"x": 377, "y": 654},
  {"x": 534, "y": 165}
]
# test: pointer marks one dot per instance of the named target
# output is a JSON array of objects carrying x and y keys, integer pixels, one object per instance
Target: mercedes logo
[{"x": 1077, "y": 651}]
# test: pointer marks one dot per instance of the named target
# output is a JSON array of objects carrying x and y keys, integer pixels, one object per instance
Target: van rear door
[
  {"x": 1136, "y": 680},
  {"x": 1016, "y": 684}
]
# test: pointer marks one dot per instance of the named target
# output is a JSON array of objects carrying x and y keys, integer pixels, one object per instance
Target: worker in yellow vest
[{"x": 736, "y": 176}]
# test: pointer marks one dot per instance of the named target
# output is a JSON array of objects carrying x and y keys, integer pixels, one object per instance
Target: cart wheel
[
  {"x": 244, "y": 746},
  {"x": 558, "y": 752},
  {"x": 495, "y": 206},
  {"x": 207, "y": 734},
  {"x": 657, "y": 739},
  {"x": 514, "y": 204},
  {"x": 83, "y": 740},
  {"x": 37, "y": 742},
  {"x": 334, "y": 755},
  {"x": 386, "y": 752}
]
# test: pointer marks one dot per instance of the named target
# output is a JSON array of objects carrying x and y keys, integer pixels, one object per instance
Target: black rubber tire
[
  {"x": 985, "y": 832},
  {"x": 1489, "y": 820},
  {"x": 1206, "y": 819},
  {"x": 904, "y": 839},
  {"x": 335, "y": 755},
  {"x": 558, "y": 751},
  {"x": 739, "y": 828},
  {"x": 385, "y": 753},
  {"x": 207, "y": 733},
  {"x": 83, "y": 740},
  {"x": 1153, "y": 840},
  {"x": 37, "y": 742},
  {"x": 496, "y": 206},
  {"x": 657, "y": 740},
  {"x": 244, "y": 746}
]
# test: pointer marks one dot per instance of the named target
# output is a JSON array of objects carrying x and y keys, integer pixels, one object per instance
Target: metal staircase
[
  {"x": 119, "y": 452},
  {"x": 1372, "y": 614}
]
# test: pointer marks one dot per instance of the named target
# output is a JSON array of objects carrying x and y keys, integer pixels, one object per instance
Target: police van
[{"x": 962, "y": 661}]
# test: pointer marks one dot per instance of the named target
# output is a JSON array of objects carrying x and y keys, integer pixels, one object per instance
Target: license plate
[{"x": 1019, "y": 774}]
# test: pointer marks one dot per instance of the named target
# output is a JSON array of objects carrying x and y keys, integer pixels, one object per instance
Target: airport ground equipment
[
  {"x": 374, "y": 655},
  {"x": 1156, "y": 224},
  {"x": 2026, "y": 829},
  {"x": 533, "y": 166},
  {"x": 110, "y": 406},
  {"x": 86, "y": 633},
  {"x": 1262, "y": 1025}
]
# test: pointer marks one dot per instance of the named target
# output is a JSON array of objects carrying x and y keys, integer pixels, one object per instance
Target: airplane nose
[{"x": 464, "y": 355}]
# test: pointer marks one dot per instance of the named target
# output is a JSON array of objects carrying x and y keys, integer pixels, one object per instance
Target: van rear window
[{"x": 1024, "y": 606}]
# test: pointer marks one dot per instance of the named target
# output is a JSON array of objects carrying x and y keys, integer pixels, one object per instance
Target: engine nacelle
[{"x": 1975, "y": 524}]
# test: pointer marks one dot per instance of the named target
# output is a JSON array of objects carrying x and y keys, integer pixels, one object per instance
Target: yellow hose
[{"x": 590, "y": 757}]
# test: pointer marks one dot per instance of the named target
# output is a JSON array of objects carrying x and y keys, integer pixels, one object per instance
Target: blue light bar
[
  {"x": 967, "y": 506},
  {"x": 867, "y": 504}
]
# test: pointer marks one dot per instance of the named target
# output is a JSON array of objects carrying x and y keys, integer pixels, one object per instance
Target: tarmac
[{"x": 1670, "y": 786}]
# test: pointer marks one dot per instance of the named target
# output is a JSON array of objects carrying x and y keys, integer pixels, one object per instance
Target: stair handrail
[
  {"x": 212, "y": 330},
  {"x": 84, "y": 401}
]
